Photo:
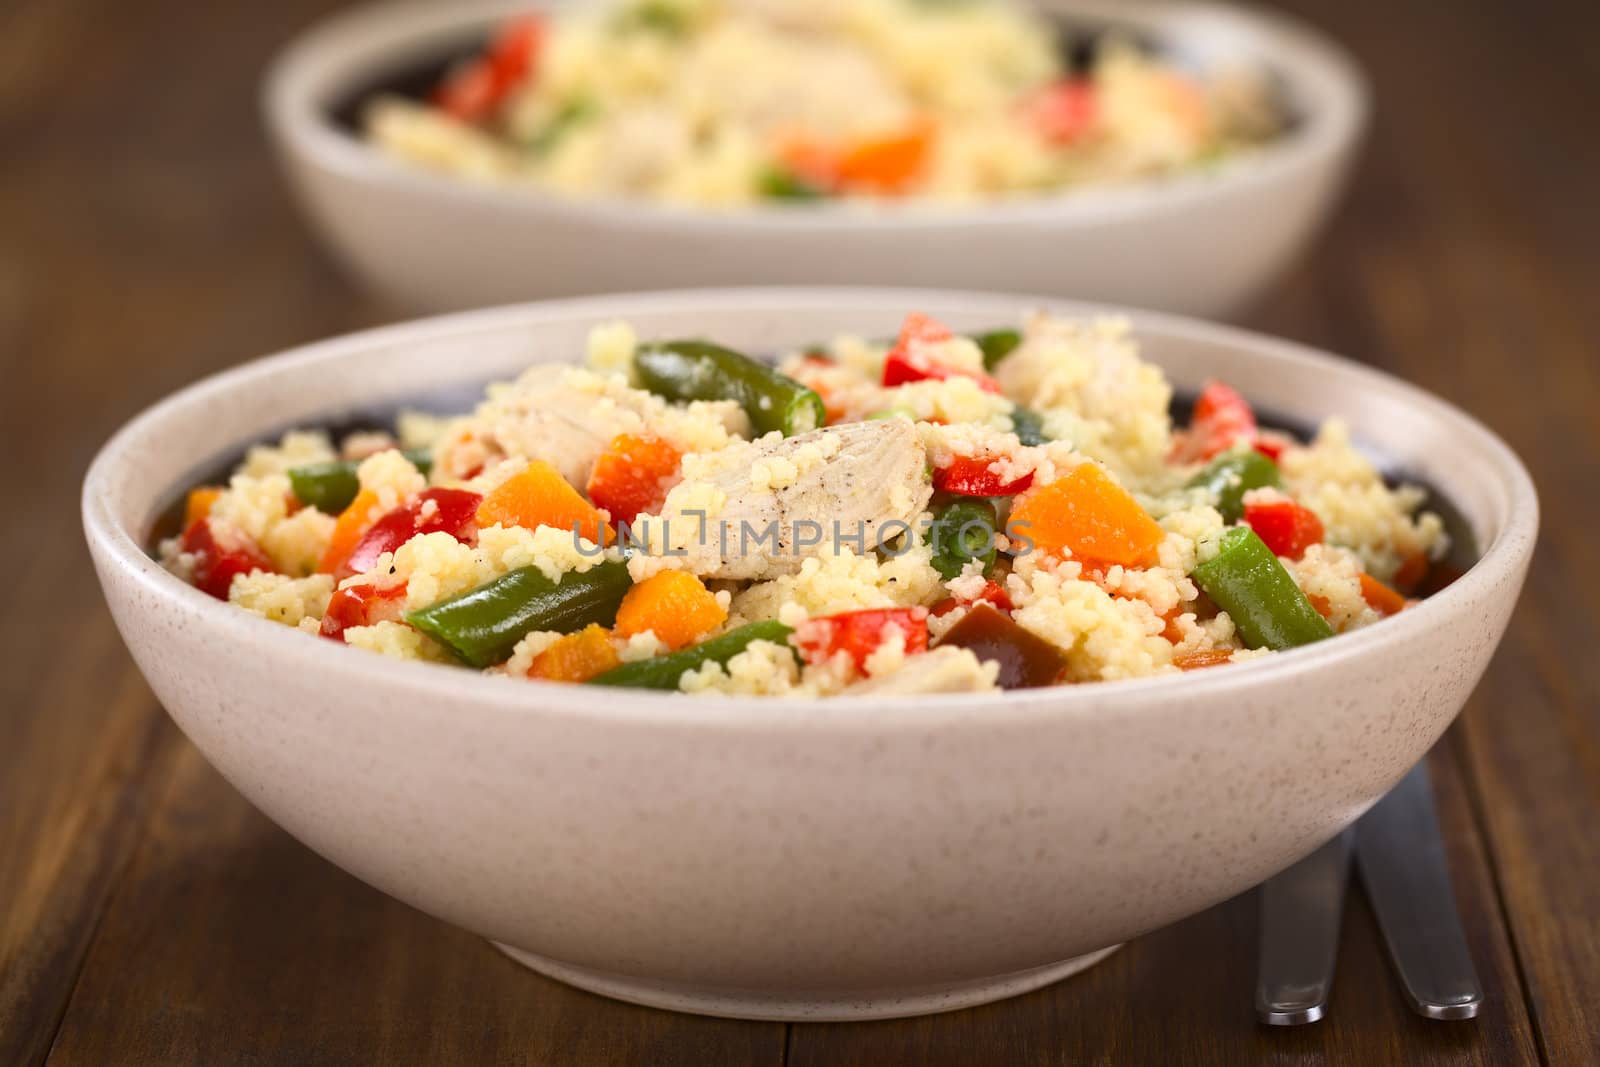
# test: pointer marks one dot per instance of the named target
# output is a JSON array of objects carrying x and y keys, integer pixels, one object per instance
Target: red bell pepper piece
[
  {"x": 908, "y": 360},
  {"x": 1065, "y": 111},
  {"x": 1273, "y": 443},
  {"x": 361, "y": 605},
  {"x": 1287, "y": 528},
  {"x": 451, "y": 511},
  {"x": 1222, "y": 420},
  {"x": 218, "y": 560},
  {"x": 472, "y": 92},
  {"x": 993, "y": 593},
  {"x": 860, "y": 633},
  {"x": 970, "y": 476}
]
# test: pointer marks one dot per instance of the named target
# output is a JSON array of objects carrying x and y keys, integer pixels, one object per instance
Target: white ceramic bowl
[
  {"x": 1197, "y": 243},
  {"x": 805, "y": 859}
]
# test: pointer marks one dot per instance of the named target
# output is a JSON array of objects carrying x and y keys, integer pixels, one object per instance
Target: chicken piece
[
  {"x": 767, "y": 506},
  {"x": 943, "y": 670},
  {"x": 568, "y": 417}
]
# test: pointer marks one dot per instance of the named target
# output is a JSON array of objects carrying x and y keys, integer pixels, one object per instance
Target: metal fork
[{"x": 1401, "y": 855}]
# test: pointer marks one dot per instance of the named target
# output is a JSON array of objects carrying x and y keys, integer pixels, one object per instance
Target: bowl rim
[
  {"x": 123, "y": 551},
  {"x": 315, "y": 61}
]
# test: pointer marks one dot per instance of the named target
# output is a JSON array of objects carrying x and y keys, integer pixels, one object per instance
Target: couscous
[
  {"x": 734, "y": 102},
  {"x": 931, "y": 513}
]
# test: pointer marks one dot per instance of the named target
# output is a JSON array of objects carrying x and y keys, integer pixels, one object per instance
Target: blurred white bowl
[
  {"x": 1200, "y": 243},
  {"x": 797, "y": 859}
]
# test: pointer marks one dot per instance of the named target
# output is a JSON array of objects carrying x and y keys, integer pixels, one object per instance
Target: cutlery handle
[
  {"x": 1300, "y": 913},
  {"x": 1403, "y": 867}
]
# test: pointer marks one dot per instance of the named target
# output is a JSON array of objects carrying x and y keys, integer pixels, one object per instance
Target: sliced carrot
[
  {"x": 633, "y": 475},
  {"x": 198, "y": 504},
  {"x": 348, "y": 531},
  {"x": 1211, "y": 657},
  {"x": 576, "y": 657},
  {"x": 539, "y": 496},
  {"x": 1323, "y": 605},
  {"x": 1379, "y": 597},
  {"x": 810, "y": 160},
  {"x": 888, "y": 164},
  {"x": 674, "y": 604},
  {"x": 1090, "y": 515}
]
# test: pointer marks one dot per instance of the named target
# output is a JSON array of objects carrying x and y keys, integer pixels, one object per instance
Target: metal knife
[
  {"x": 1401, "y": 856},
  {"x": 1300, "y": 913}
]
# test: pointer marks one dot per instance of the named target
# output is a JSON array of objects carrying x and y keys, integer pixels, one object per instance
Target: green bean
[
  {"x": 1028, "y": 425},
  {"x": 1266, "y": 606},
  {"x": 663, "y": 672},
  {"x": 483, "y": 625},
  {"x": 775, "y": 183},
  {"x": 330, "y": 487},
  {"x": 964, "y": 530},
  {"x": 1228, "y": 477},
  {"x": 699, "y": 370},
  {"x": 996, "y": 345}
]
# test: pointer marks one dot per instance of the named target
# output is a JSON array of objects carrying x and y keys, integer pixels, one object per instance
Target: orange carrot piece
[
  {"x": 1323, "y": 605},
  {"x": 888, "y": 164},
  {"x": 674, "y": 604},
  {"x": 1379, "y": 597},
  {"x": 1090, "y": 515},
  {"x": 576, "y": 657},
  {"x": 1194, "y": 661},
  {"x": 539, "y": 496},
  {"x": 348, "y": 530},
  {"x": 633, "y": 475},
  {"x": 198, "y": 504}
]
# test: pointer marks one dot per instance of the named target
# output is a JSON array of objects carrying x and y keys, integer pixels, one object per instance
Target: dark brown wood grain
[{"x": 149, "y": 915}]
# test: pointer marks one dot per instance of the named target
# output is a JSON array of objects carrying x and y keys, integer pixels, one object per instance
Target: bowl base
[{"x": 806, "y": 1007}]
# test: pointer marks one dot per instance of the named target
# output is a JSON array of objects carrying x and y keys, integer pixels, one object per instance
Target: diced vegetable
[
  {"x": 1222, "y": 420},
  {"x": 538, "y": 496},
  {"x": 699, "y": 370},
  {"x": 887, "y": 164},
  {"x": 996, "y": 345},
  {"x": 907, "y": 361},
  {"x": 1247, "y": 581},
  {"x": 473, "y": 91},
  {"x": 1411, "y": 573},
  {"x": 1228, "y": 478},
  {"x": 568, "y": 117},
  {"x": 780, "y": 183},
  {"x": 1089, "y": 514},
  {"x": 197, "y": 505},
  {"x": 1194, "y": 661},
  {"x": 964, "y": 530},
  {"x": 448, "y": 511},
  {"x": 330, "y": 487},
  {"x": 1064, "y": 112},
  {"x": 348, "y": 531},
  {"x": 1273, "y": 443},
  {"x": 1381, "y": 598},
  {"x": 676, "y": 605},
  {"x": 664, "y": 672},
  {"x": 972, "y": 476},
  {"x": 361, "y": 605},
  {"x": 1028, "y": 426},
  {"x": 576, "y": 657},
  {"x": 219, "y": 559},
  {"x": 992, "y": 593},
  {"x": 633, "y": 475},
  {"x": 1286, "y": 527},
  {"x": 483, "y": 625},
  {"x": 861, "y": 633},
  {"x": 1026, "y": 660}
]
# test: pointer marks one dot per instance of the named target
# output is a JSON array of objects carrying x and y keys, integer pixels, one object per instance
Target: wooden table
[{"x": 149, "y": 915}]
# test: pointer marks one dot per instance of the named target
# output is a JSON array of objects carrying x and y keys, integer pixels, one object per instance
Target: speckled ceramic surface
[
  {"x": 797, "y": 859},
  {"x": 1199, "y": 243}
]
